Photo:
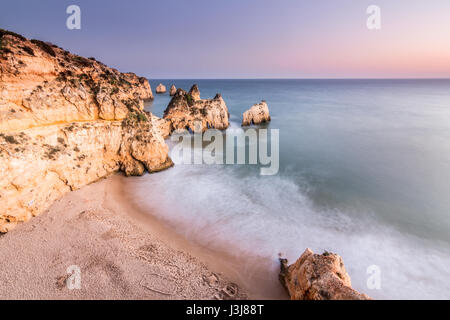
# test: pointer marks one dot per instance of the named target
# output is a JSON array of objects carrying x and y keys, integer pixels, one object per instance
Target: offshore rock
[
  {"x": 173, "y": 90},
  {"x": 318, "y": 277},
  {"x": 184, "y": 112},
  {"x": 257, "y": 114},
  {"x": 161, "y": 88}
]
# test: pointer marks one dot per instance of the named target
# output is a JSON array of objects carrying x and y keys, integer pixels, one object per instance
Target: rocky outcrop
[
  {"x": 257, "y": 114},
  {"x": 318, "y": 277},
  {"x": 195, "y": 92},
  {"x": 184, "y": 111},
  {"x": 173, "y": 90},
  {"x": 161, "y": 88},
  {"x": 66, "y": 121}
]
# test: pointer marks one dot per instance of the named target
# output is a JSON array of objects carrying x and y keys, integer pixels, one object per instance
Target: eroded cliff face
[
  {"x": 186, "y": 109},
  {"x": 66, "y": 121},
  {"x": 318, "y": 277}
]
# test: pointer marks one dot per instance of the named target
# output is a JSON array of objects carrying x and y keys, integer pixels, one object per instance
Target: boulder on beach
[
  {"x": 195, "y": 92},
  {"x": 173, "y": 90},
  {"x": 161, "y": 88},
  {"x": 184, "y": 112},
  {"x": 318, "y": 277},
  {"x": 257, "y": 114}
]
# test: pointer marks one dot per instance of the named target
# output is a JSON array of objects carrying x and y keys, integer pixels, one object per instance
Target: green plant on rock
[{"x": 189, "y": 99}]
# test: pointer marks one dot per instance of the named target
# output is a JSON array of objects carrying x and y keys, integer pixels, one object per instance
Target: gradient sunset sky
[{"x": 247, "y": 38}]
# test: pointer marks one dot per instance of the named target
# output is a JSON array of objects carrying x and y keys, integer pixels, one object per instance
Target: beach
[
  {"x": 122, "y": 254},
  {"x": 303, "y": 158}
]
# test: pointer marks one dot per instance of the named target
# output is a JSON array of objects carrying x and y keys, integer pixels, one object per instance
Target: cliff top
[{"x": 41, "y": 83}]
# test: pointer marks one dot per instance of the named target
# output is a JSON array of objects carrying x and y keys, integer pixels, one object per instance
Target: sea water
[{"x": 364, "y": 172}]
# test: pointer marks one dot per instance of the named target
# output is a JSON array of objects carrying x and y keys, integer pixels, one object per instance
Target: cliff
[{"x": 67, "y": 121}]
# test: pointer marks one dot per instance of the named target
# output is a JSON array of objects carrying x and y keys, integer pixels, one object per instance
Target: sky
[{"x": 247, "y": 38}]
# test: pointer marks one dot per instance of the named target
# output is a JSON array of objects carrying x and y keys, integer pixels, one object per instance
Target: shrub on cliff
[
  {"x": 44, "y": 47},
  {"x": 82, "y": 62},
  {"x": 11, "y": 139},
  {"x": 189, "y": 99},
  {"x": 135, "y": 117},
  {"x": 28, "y": 50},
  {"x": 4, "y": 32}
]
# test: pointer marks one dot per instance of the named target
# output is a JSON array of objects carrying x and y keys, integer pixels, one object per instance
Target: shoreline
[
  {"x": 122, "y": 252},
  {"x": 250, "y": 273}
]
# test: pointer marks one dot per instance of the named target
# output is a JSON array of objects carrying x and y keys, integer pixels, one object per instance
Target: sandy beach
[{"x": 121, "y": 252}]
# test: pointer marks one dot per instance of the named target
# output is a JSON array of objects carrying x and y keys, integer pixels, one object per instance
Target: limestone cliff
[
  {"x": 318, "y": 277},
  {"x": 66, "y": 121},
  {"x": 184, "y": 110}
]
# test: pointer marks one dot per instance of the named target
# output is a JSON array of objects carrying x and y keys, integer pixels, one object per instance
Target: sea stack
[
  {"x": 318, "y": 277},
  {"x": 173, "y": 90},
  {"x": 257, "y": 114},
  {"x": 161, "y": 89},
  {"x": 184, "y": 111},
  {"x": 195, "y": 92}
]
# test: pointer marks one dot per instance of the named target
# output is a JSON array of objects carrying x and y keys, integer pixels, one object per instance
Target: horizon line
[{"x": 422, "y": 78}]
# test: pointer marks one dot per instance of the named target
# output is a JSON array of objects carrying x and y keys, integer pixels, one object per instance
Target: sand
[{"x": 121, "y": 253}]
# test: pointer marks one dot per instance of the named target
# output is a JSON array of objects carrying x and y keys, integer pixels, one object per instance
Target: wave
[{"x": 234, "y": 209}]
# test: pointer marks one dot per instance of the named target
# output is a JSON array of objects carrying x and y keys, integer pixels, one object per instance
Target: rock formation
[
  {"x": 318, "y": 277},
  {"x": 161, "y": 88},
  {"x": 183, "y": 111},
  {"x": 257, "y": 114},
  {"x": 195, "y": 92},
  {"x": 173, "y": 90},
  {"x": 66, "y": 121}
]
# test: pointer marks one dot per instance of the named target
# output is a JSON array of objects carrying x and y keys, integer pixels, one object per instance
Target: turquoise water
[{"x": 364, "y": 172}]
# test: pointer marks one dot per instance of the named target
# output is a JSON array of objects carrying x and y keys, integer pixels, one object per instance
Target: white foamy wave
[{"x": 226, "y": 208}]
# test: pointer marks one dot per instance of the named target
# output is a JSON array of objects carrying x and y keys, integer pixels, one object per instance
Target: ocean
[{"x": 364, "y": 172}]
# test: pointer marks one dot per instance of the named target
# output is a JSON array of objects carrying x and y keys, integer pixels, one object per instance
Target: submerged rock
[
  {"x": 184, "y": 111},
  {"x": 318, "y": 277},
  {"x": 173, "y": 90},
  {"x": 67, "y": 121},
  {"x": 257, "y": 114},
  {"x": 161, "y": 88}
]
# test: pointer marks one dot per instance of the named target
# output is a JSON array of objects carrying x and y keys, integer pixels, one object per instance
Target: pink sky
[{"x": 248, "y": 39}]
